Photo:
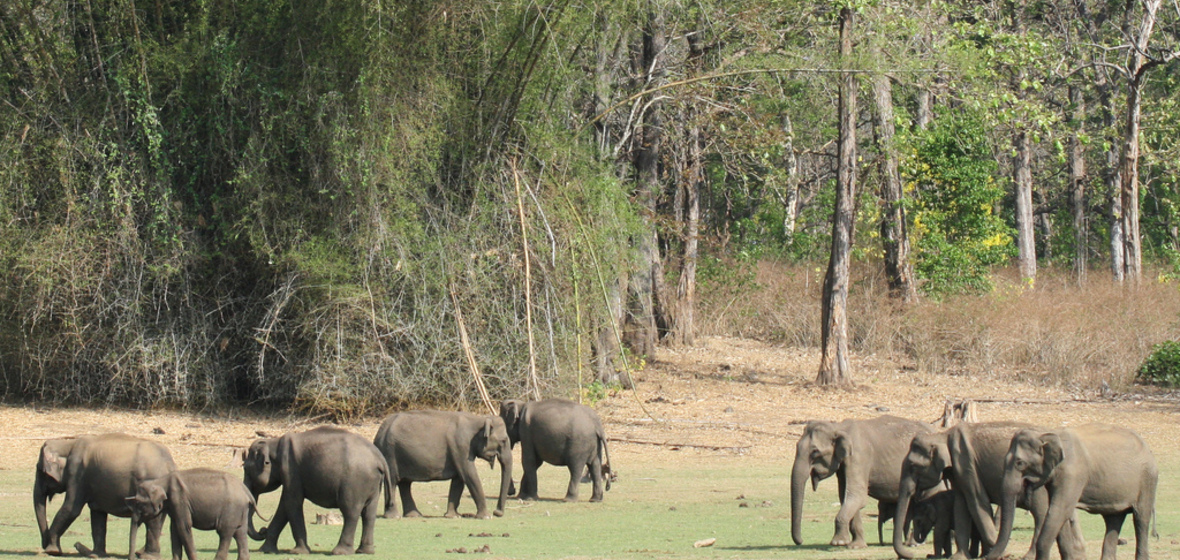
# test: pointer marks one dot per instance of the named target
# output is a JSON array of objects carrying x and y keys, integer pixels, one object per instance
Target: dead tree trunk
[
  {"x": 1025, "y": 239},
  {"x": 1077, "y": 182},
  {"x": 684, "y": 327},
  {"x": 894, "y": 238},
  {"x": 834, "y": 366}
]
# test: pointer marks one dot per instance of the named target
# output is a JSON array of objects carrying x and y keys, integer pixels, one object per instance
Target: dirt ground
[{"x": 726, "y": 396}]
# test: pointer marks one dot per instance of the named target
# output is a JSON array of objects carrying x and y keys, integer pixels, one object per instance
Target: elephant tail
[
  {"x": 604, "y": 452},
  {"x": 388, "y": 483}
]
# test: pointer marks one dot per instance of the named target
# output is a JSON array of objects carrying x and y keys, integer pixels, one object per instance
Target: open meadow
[{"x": 702, "y": 449}]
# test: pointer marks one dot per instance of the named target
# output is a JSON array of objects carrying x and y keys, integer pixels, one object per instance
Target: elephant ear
[
  {"x": 487, "y": 427},
  {"x": 842, "y": 449},
  {"x": 941, "y": 455},
  {"x": 52, "y": 464},
  {"x": 237, "y": 459},
  {"x": 1052, "y": 452}
]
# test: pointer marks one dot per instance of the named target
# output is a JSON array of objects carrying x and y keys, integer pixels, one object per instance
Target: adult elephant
[
  {"x": 101, "y": 472},
  {"x": 332, "y": 467},
  {"x": 1102, "y": 469},
  {"x": 559, "y": 432},
  {"x": 971, "y": 457},
  {"x": 425, "y": 445},
  {"x": 865, "y": 456}
]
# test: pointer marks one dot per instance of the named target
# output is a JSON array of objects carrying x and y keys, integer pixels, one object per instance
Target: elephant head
[
  {"x": 926, "y": 465},
  {"x": 148, "y": 501},
  {"x": 50, "y": 479},
  {"x": 1029, "y": 464},
  {"x": 820, "y": 452},
  {"x": 510, "y": 411},
  {"x": 262, "y": 467},
  {"x": 492, "y": 443}
]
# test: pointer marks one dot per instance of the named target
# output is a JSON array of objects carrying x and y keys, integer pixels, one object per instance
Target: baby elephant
[
  {"x": 559, "y": 432},
  {"x": 205, "y": 499}
]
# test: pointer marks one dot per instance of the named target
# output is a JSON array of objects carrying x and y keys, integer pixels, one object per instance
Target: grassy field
[{"x": 655, "y": 510}]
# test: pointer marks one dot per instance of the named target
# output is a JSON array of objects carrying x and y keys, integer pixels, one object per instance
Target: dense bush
[{"x": 1162, "y": 366}]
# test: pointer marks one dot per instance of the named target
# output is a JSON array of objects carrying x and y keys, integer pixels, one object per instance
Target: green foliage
[
  {"x": 1162, "y": 366},
  {"x": 956, "y": 235}
]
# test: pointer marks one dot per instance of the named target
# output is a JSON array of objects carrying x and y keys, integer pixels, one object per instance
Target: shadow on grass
[{"x": 782, "y": 547}]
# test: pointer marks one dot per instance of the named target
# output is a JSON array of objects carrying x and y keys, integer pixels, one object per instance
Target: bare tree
[
  {"x": 834, "y": 368},
  {"x": 894, "y": 237},
  {"x": 1077, "y": 180}
]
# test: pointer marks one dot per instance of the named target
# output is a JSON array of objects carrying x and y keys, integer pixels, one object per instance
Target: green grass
[{"x": 654, "y": 511}]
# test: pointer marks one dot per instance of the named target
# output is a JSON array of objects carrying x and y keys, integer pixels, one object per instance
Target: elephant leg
[
  {"x": 596, "y": 478},
  {"x": 368, "y": 525},
  {"x": 242, "y": 539},
  {"x": 1110, "y": 542},
  {"x": 454, "y": 494},
  {"x": 1071, "y": 544},
  {"x": 470, "y": 477},
  {"x": 277, "y": 524},
  {"x": 849, "y": 531},
  {"x": 224, "y": 537},
  {"x": 298, "y": 526},
  {"x": 178, "y": 545},
  {"x": 151, "y": 544},
  {"x": 964, "y": 530},
  {"x": 571, "y": 491},
  {"x": 409, "y": 508},
  {"x": 346, "y": 544},
  {"x": 528, "y": 481},
  {"x": 98, "y": 528}
]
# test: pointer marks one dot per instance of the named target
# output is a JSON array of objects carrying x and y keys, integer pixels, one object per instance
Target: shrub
[{"x": 1162, "y": 366}]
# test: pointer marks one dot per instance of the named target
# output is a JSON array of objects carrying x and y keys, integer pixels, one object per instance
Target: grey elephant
[
  {"x": 970, "y": 456},
  {"x": 1102, "y": 469},
  {"x": 559, "y": 432},
  {"x": 933, "y": 517},
  {"x": 865, "y": 456},
  {"x": 332, "y": 467},
  {"x": 424, "y": 445},
  {"x": 98, "y": 471},
  {"x": 204, "y": 499}
]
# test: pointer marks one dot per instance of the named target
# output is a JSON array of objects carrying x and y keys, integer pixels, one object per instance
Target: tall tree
[
  {"x": 898, "y": 270},
  {"x": 1022, "y": 175},
  {"x": 834, "y": 368},
  {"x": 1077, "y": 180}
]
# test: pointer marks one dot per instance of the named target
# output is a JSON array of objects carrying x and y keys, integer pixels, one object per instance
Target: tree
[
  {"x": 834, "y": 368},
  {"x": 894, "y": 234}
]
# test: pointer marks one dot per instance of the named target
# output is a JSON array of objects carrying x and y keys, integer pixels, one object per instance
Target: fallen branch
[{"x": 737, "y": 448}]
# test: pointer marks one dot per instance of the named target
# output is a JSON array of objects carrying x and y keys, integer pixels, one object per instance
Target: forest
[{"x": 346, "y": 207}]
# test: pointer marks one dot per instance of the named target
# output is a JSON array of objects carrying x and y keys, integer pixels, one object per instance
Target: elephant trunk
[
  {"x": 505, "y": 480},
  {"x": 254, "y": 534},
  {"x": 799, "y": 475},
  {"x": 906, "y": 492},
  {"x": 40, "y": 496},
  {"x": 1013, "y": 487}
]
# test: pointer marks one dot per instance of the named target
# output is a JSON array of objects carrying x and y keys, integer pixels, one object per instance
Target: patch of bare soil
[{"x": 732, "y": 397}]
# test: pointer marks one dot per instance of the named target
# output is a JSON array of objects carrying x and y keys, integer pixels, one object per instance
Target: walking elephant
[
  {"x": 428, "y": 445},
  {"x": 1098, "y": 468},
  {"x": 101, "y": 472},
  {"x": 970, "y": 456},
  {"x": 865, "y": 456},
  {"x": 559, "y": 432},
  {"x": 204, "y": 499},
  {"x": 333, "y": 468}
]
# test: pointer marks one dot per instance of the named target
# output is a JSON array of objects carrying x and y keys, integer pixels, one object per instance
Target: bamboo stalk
[
  {"x": 528, "y": 290},
  {"x": 470, "y": 354}
]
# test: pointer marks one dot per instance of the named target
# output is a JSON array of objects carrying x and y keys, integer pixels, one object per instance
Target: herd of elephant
[
  {"x": 125, "y": 476},
  {"x": 948, "y": 481}
]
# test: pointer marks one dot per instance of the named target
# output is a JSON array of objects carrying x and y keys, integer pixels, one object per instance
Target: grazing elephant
[
  {"x": 100, "y": 472},
  {"x": 865, "y": 456},
  {"x": 204, "y": 499},
  {"x": 970, "y": 456},
  {"x": 1098, "y": 468},
  {"x": 559, "y": 432},
  {"x": 333, "y": 468},
  {"x": 425, "y": 445}
]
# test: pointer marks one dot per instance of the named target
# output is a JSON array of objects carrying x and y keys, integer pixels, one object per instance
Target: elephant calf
[
  {"x": 204, "y": 499},
  {"x": 559, "y": 432},
  {"x": 425, "y": 445},
  {"x": 333, "y": 468}
]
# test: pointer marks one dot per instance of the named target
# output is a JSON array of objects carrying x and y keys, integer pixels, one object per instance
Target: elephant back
[{"x": 112, "y": 465}]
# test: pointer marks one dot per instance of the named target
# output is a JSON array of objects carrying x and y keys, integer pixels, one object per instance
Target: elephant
[
  {"x": 970, "y": 456},
  {"x": 205, "y": 499},
  {"x": 330, "y": 466},
  {"x": 425, "y": 445},
  {"x": 559, "y": 432},
  {"x": 99, "y": 471},
  {"x": 865, "y": 456},
  {"x": 1102, "y": 469},
  {"x": 934, "y": 517}
]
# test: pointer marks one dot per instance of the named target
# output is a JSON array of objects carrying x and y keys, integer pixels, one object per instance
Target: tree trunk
[
  {"x": 1132, "y": 264},
  {"x": 1025, "y": 239},
  {"x": 894, "y": 238},
  {"x": 1112, "y": 180},
  {"x": 1077, "y": 182},
  {"x": 645, "y": 289},
  {"x": 834, "y": 367},
  {"x": 684, "y": 328},
  {"x": 791, "y": 163}
]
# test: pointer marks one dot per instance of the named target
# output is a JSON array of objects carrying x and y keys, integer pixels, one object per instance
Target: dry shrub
[{"x": 1058, "y": 333}]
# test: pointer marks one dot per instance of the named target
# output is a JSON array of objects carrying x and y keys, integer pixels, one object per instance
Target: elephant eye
[{"x": 1020, "y": 464}]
